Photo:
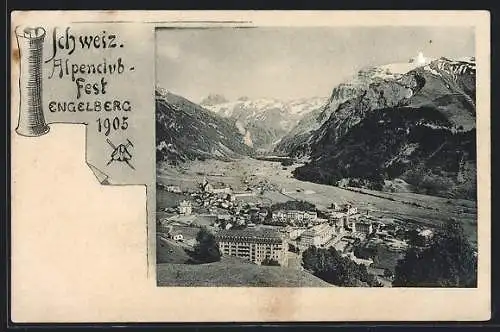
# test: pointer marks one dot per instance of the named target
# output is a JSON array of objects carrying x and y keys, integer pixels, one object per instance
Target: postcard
[{"x": 250, "y": 166}]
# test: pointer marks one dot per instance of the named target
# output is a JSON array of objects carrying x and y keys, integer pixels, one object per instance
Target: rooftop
[
  {"x": 249, "y": 234},
  {"x": 294, "y": 211},
  {"x": 363, "y": 222},
  {"x": 317, "y": 229}
]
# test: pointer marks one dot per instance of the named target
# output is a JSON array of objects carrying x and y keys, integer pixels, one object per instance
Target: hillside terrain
[
  {"x": 243, "y": 273},
  {"x": 404, "y": 127},
  {"x": 186, "y": 131},
  {"x": 418, "y": 126}
]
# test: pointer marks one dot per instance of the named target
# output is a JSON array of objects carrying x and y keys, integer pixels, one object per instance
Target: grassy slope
[
  {"x": 194, "y": 132},
  {"x": 243, "y": 274},
  {"x": 169, "y": 252}
]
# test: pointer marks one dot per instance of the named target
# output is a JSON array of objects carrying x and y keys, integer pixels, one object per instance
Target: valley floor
[
  {"x": 278, "y": 185},
  {"x": 271, "y": 183}
]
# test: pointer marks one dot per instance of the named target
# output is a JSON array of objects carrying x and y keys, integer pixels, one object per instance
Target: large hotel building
[{"x": 253, "y": 244}]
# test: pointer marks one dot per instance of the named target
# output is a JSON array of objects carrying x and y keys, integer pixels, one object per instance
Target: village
[{"x": 257, "y": 230}]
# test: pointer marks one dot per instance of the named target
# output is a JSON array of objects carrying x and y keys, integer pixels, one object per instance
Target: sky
[{"x": 290, "y": 62}]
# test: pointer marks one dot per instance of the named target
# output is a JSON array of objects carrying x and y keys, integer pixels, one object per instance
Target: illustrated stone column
[{"x": 31, "y": 119}]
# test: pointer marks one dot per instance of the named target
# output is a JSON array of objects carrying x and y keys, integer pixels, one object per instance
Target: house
[
  {"x": 295, "y": 232},
  {"x": 318, "y": 221},
  {"x": 351, "y": 256},
  {"x": 224, "y": 217},
  {"x": 310, "y": 215},
  {"x": 216, "y": 188},
  {"x": 426, "y": 233},
  {"x": 185, "y": 208},
  {"x": 377, "y": 226},
  {"x": 239, "y": 194},
  {"x": 338, "y": 222},
  {"x": 253, "y": 244},
  {"x": 376, "y": 271},
  {"x": 205, "y": 186},
  {"x": 178, "y": 237},
  {"x": 363, "y": 227},
  {"x": 173, "y": 189},
  {"x": 164, "y": 227},
  {"x": 339, "y": 227},
  {"x": 262, "y": 214},
  {"x": 317, "y": 235},
  {"x": 221, "y": 189},
  {"x": 254, "y": 209},
  {"x": 336, "y": 215},
  {"x": 350, "y": 210},
  {"x": 293, "y": 216}
]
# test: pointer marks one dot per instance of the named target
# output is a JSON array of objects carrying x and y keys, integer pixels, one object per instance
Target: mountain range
[
  {"x": 412, "y": 122},
  {"x": 418, "y": 126},
  {"x": 263, "y": 121},
  {"x": 186, "y": 131}
]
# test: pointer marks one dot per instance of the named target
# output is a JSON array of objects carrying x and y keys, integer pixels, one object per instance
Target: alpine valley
[{"x": 402, "y": 127}]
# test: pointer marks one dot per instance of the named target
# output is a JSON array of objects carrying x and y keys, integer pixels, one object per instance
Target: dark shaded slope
[
  {"x": 186, "y": 131},
  {"x": 419, "y": 127}
]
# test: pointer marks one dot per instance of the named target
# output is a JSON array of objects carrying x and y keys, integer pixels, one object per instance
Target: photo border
[{"x": 23, "y": 325}]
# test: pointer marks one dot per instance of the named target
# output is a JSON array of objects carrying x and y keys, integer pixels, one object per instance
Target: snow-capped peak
[
  {"x": 258, "y": 108},
  {"x": 263, "y": 121},
  {"x": 390, "y": 70},
  {"x": 213, "y": 99},
  {"x": 420, "y": 59}
]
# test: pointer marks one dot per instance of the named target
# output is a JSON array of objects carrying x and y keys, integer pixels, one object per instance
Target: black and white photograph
[
  {"x": 340, "y": 156},
  {"x": 250, "y": 166}
]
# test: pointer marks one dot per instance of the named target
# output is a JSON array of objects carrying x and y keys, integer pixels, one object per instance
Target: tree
[
  {"x": 270, "y": 262},
  {"x": 293, "y": 248},
  {"x": 329, "y": 265},
  {"x": 388, "y": 273},
  {"x": 206, "y": 249},
  {"x": 448, "y": 261},
  {"x": 414, "y": 238},
  {"x": 293, "y": 205}
]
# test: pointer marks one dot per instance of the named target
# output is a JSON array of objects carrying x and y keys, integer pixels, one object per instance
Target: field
[
  {"x": 243, "y": 274},
  {"x": 408, "y": 207}
]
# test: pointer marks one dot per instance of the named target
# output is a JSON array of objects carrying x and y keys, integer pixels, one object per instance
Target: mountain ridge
[
  {"x": 186, "y": 131},
  {"x": 412, "y": 122},
  {"x": 264, "y": 121},
  {"x": 435, "y": 98}
]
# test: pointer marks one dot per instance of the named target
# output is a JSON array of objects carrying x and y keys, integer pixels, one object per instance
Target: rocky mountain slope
[
  {"x": 264, "y": 121},
  {"x": 213, "y": 99},
  {"x": 187, "y": 131},
  {"x": 298, "y": 137},
  {"x": 410, "y": 121}
]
